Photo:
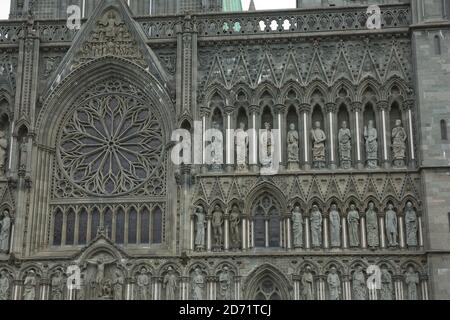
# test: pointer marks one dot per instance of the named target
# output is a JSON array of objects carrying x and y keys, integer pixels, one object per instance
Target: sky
[{"x": 260, "y": 5}]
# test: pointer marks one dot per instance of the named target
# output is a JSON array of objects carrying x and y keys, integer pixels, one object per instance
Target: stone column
[
  {"x": 358, "y": 120},
  {"x": 307, "y": 231},
  {"x": 226, "y": 226},
  {"x": 382, "y": 228},
  {"x": 244, "y": 239},
  {"x": 344, "y": 231},
  {"x": 129, "y": 288},
  {"x": 383, "y": 107},
  {"x": 184, "y": 282},
  {"x": 288, "y": 231},
  {"x": 192, "y": 235},
  {"x": 401, "y": 234},
  {"x": 157, "y": 282},
  {"x": 44, "y": 289},
  {"x": 17, "y": 289},
  {"x": 362, "y": 226},
  {"x": 346, "y": 292},
  {"x": 332, "y": 137},
  {"x": 280, "y": 118},
  {"x": 424, "y": 286},
  {"x": 420, "y": 227},
  {"x": 398, "y": 285},
  {"x": 296, "y": 280},
  {"x": 305, "y": 109},
  {"x": 253, "y": 138},
  {"x": 229, "y": 154},
  {"x": 409, "y": 106},
  {"x": 211, "y": 284},
  {"x": 204, "y": 113},
  {"x": 321, "y": 293},
  {"x": 266, "y": 225},
  {"x": 237, "y": 287},
  {"x": 326, "y": 235},
  {"x": 208, "y": 232}
]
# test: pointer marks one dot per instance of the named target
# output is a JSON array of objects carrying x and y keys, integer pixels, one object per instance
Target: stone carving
[
  {"x": 225, "y": 278},
  {"x": 119, "y": 284},
  {"x": 334, "y": 285},
  {"x": 353, "y": 226},
  {"x": 4, "y": 285},
  {"x": 371, "y": 136},
  {"x": 235, "y": 221},
  {"x": 241, "y": 142},
  {"x": 3, "y": 152},
  {"x": 200, "y": 228},
  {"x": 345, "y": 146},
  {"x": 267, "y": 141},
  {"x": 411, "y": 225},
  {"x": 198, "y": 284},
  {"x": 170, "y": 283},
  {"x": 386, "y": 285},
  {"x": 5, "y": 232},
  {"x": 359, "y": 284},
  {"x": 316, "y": 226},
  {"x": 308, "y": 284},
  {"x": 217, "y": 226},
  {"x": 335, "y": 227},
  {"x": 372, "y": 227},
  {"x": 399, "y": 138},
  {"x": 391, "y": 226},
  {"x": 216, "y": 149},
  {"x": 102, "y": 287},
  {"x": 412, "y": 281},
  {"x": 23, "y": 154},
  {"x": 29, "y": 286},
  {"x": 58, "y": 286},
  {"x": 319, "y": 138},
  {"x": 293, "y": 147},
  {"x": 297, "y": 227},
  {"x": 143, "y": 285}
]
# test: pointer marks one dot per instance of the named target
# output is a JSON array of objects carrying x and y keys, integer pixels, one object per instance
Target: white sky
[{"x": 260, "y": 5}]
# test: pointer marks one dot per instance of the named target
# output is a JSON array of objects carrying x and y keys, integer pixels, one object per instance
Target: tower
[{"x": 232, "y": 5}]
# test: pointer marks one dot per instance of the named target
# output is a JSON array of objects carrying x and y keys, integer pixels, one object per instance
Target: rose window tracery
[{"x": 111, "y": 144}]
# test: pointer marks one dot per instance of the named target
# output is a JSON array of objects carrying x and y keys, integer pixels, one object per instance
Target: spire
[
  {"x": 252, "y": 6},
  {"x": 232, "y": 5}
]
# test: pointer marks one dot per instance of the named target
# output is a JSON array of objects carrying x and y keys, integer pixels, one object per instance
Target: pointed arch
[{"x": 267, "y": 272}]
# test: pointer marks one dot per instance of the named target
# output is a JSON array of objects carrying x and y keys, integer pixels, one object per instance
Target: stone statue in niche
[
  {"x": 4, "y": 285},
  {"x": 345, "y": 146},
  {"x": 241, "y": 141},
  {"x": 235, "y": 221},
  {"x": 412, "y": 281},
  {"x": 198, "y": 284},
  {"x": 23, "y": 151},
  {"x": 359, "y": 284},
  {"x": 170, "y": 283},
  {"x": 216, "y": 150},
  {"x": 5, "y": 232},
  {"x": 200, "y": 228},
  {"x": 371, "y": 136},
  {"x": 316, "y": 226},
  {"x": 225, "y": 284},
  {"x": 101, "y": 288},
  {"x": 399, "y": 138},
  {"x": 267, "y": 142},
  {"x": 293, "y": 147},
  {"x": 334, "y": 285},
  {"x": 217, "y": 223},
  {"x": 119, "y": 284},
  {"x": 29, "y": 286},
  {"x": 143, "y": 284},
  {"x": 297, "y": 227},
  {"x": 3, "y": 152},
  {"x": 335, "y": 227},
  {"x": 308, "y": 284},
  {"x": 318, "y": 138},
  {"x": 58, "y": 286},
  {"x": 411, "y": 225},
  {"x": 391, "y": 226},
  {"x": 353, "y": 226},
  {"x": 372, "y": 226},
  {"x": 386, "y": 285}
]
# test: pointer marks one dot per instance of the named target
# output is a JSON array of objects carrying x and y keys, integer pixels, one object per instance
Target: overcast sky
[{"x": 260, "y": 5}]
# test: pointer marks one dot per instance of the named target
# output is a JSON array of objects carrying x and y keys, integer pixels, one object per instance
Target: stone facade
[{"x": 89, "y": 195}]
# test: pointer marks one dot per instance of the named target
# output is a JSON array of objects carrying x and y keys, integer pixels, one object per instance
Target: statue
[
  {"x": 412, "y": 281},
  {"x": 216, "y": 149},
  {"x": 217, "y": 222},
  {"x": 29, "y": 286},
  {"x": 23, "y": 154},
  {"x": 5, "y": 232},
  {"x": 353, "y": 226},
  {"x": 297, "y": 227},
  {"x": 143, "y": 283},
  {"x": 359, "y": 284},
  {"x": 235, "y": 221},
  {"x": 372, "y": 227},
  {"x": 345, "y": 146},
  {"x": 200, "y": 228},
  {"x": 335, "y": 227},
  {"x": 267, "y": 141},
  {"x": 334, "y": 285},
  {"x": 58, "y": 286},
  {"x": 399, "y": 138},
  {"x": 308, "y": 284},
  {"x": 411, "y": 225},
  {"x": 3, "y": 152},
  {"x": 198, "y": 284},
  {"x": 101, "y": 263},
  {"x": 391, "y": 226},
  {"x": 106, "y": 292},
  {"x": 386, "y": 285},
  {"x": 319, "y": 138},
  {"x": 241, "y": 142},
  {"x": 4, "y": 285},
  {"x": 316, "y": 226},
  {"x": 371, "y": 136},
  {"x": 293, "y": 148},
  {"x": 170, "y": 283},
  {"x": 119, "y": 283},
  {"x": 225, "y": 284}
]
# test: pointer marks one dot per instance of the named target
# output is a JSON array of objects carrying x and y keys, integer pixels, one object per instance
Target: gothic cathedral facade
[{"x": 92, "y": 205}]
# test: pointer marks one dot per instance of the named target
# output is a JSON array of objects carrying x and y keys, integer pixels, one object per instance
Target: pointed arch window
[
  {"x": 70, "y": 228},
  {"x": 266, "y": 219},
  {"x": 157, "y": 225},
  {"x": 444, "y": 135},
  {"x": 57, "y": 227}
]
